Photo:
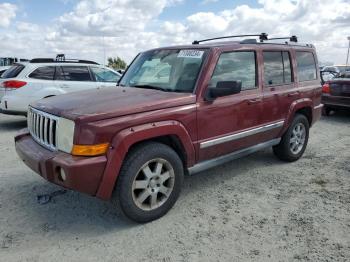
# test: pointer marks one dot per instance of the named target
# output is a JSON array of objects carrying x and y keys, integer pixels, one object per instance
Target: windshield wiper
[{"x": 154, "y": 87}]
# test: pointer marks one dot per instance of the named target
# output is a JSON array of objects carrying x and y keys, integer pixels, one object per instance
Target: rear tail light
[
  {"x": 326, "y": 89},
  {"x": 13, "y": 84}
]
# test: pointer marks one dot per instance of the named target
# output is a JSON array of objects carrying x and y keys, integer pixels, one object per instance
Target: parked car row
[
  {"x": 336, "y": 93},
  {"x": 177, "y": 110},
  {"x": 26, "y": 82}
]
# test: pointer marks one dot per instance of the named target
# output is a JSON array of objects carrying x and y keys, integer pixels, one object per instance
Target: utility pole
[{"x": 347, "y": 57}]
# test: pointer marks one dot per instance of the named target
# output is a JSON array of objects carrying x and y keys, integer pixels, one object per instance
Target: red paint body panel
[
  {"x": 83, "y": 173},
  {"x": 124, "y": 117}
]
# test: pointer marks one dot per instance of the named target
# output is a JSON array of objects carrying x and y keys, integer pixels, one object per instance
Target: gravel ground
[{"x": 253, "y": 209}]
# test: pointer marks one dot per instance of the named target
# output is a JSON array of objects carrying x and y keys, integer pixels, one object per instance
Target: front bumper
[{"x": 83, "y": 174}]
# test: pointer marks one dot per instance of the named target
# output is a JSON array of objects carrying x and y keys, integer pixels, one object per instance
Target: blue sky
[{"x": 46, "y": 11}]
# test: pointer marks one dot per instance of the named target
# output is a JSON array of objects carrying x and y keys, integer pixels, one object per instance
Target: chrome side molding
[
  {"x": 240, "y": 135},
  {"x": 231, "y": 156}
]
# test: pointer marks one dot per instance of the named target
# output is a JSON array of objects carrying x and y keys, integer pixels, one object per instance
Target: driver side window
[{"x": 237, "y": 66}]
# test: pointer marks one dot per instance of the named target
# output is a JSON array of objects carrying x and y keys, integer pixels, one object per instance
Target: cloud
[
  {"x": 126, "y": 27},
  {"x": 7, "y": 13}
]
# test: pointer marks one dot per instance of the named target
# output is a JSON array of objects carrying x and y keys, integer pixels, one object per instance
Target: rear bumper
[
  {"x": 316, "y": 114},
  {"x": 83, "y": 174},
  {"x": 336, "y": 101},
  {"x": 11, "y": 112}
]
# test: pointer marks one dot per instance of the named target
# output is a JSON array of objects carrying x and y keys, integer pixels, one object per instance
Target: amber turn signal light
[{"x": 90, "y": 150}]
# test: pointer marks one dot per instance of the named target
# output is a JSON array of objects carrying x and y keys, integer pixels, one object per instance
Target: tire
[
  {"x": 293, "y": 143},
  {"x": 149, "y": 182},
  {"x": 326, "y": 111}
]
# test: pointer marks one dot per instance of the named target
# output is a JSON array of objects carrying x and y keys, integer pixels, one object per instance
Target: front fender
[
  {"x": 126, "y": 138},
  {"x": 294, "y": 107}
]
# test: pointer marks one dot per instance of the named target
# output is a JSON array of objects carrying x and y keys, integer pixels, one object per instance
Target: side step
[{"x": 231, "y": 156}]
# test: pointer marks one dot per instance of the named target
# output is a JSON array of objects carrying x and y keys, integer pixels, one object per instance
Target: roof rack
[
  {"x": 61, "y": 58},
  {"x": 262, "y": 37},
  {"x": 293, "y": 40}
]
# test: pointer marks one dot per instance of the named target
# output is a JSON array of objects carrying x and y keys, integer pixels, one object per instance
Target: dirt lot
[{"x": 253, "y": 209}]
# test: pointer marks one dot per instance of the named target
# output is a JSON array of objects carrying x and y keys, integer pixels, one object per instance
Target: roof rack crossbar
[
  {"x": 292, "y": 38},
  {"x": 262, "y": 37}
]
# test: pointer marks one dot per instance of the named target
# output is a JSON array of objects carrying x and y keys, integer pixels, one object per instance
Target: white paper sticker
[{"x": 191, "y": 54}]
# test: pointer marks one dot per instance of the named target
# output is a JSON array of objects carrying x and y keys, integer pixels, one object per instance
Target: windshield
[{"x": 166, "y": 70}]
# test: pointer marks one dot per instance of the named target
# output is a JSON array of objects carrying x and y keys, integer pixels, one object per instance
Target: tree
[{"x": 116, "y": 63}]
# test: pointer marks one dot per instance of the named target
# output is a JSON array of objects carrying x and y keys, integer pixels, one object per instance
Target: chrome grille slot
[{"x": 42, "y": 127}]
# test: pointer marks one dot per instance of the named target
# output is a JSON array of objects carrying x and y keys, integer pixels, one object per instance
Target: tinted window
[
  {"x": 306, "y": 66},
  {"x": 236, "y": 66},
  {"x": 104, "y": 75},
  {"x": 277, "y": 68},
  {"x": 76, "y": 73},
  {"x": 44, "y": 73},
  {"x": 13, "y": 71}
]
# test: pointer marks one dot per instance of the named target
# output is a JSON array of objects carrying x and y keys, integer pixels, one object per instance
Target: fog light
[{"x": 62, "y": 176}]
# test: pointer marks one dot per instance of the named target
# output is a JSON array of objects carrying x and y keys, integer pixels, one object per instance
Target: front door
[{"x": 229, "y": 123}]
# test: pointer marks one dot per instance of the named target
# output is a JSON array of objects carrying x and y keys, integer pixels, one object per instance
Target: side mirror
[{"x": 223, "y": 88}]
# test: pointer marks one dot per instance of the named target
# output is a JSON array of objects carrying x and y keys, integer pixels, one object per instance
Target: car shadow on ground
[
  {"x": 81, "y": 214},
  {"x": 12, "y": 123},
  {"x": 339, "y": 116}
]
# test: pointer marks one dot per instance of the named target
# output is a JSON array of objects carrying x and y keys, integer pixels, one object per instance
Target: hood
[{"x": 98, "y": 104}]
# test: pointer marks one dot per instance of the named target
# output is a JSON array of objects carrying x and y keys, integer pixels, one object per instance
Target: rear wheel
[
  {"x": 326, "y": 111},
  {"x": 149, "y": 182},
  {"x": 294, "y": 141}
]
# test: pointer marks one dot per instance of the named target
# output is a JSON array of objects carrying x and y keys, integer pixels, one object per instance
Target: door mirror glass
[{"x": 223, "y": 88}]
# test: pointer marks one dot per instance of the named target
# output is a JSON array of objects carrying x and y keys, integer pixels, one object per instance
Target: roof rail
[
  {"x": 61, "y": 58},
  {"x": 293, "y": 40},
  {"x": 262, "y": 37}
]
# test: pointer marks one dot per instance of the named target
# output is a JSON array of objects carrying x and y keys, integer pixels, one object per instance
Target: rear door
[
  {"x": 279, "y": 87},
  {"x": 71, "y": 78}
]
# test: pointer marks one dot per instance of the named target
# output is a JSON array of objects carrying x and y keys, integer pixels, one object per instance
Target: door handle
[
  {"x": 253, "y": 101},
  {"x": 293, "y": 94},
  {"x": 64, "y": 86}
]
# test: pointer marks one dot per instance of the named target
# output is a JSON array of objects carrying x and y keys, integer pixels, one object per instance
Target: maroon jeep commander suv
[{"x": 177, "y": 110}]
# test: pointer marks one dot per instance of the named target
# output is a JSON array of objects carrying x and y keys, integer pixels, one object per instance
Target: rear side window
[
  {"x": 236, "y": 66},
  {"x": 306, "y": 66},
  {"x": 277, "y": 68},
  {"x": 13, "y": 71},
  {"x": 44, "y": 73},
  {"x": 76, "y": 73}
]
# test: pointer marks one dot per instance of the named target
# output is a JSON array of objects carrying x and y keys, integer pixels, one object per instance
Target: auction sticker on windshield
[{"x": 191, "y": 54}]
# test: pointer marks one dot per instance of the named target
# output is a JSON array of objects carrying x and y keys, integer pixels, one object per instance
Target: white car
[{"x": 24, "y": 83}]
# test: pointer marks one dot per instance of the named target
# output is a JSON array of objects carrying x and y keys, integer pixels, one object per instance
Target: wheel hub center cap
[{"x": 152, "y": 183}]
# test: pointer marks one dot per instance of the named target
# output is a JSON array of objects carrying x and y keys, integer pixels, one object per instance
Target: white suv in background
[{"x": 25, "y": 83}]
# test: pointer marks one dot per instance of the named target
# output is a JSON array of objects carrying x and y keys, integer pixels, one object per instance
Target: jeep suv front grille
[{"x": 43, "y": 128}]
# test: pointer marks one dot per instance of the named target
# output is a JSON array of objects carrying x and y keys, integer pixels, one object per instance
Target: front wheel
[
  {"x": 149, "y": 182},
  {"x": 294, "y": 141}
]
